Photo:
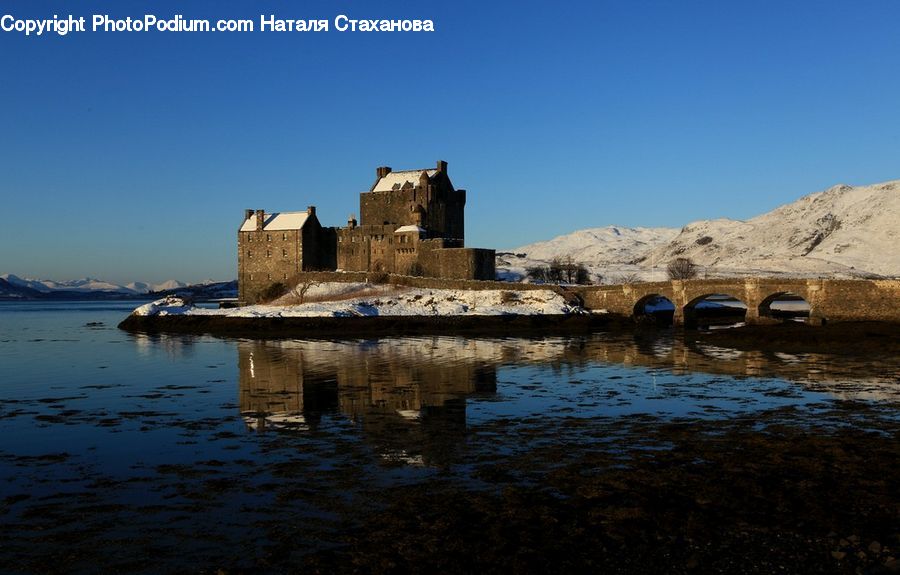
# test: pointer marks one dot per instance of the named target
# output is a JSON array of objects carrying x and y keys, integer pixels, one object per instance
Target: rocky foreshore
[{"x": 328, "y": 327}]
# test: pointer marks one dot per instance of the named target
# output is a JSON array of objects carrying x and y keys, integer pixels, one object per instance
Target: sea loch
[{"x": 142, "y": 453}]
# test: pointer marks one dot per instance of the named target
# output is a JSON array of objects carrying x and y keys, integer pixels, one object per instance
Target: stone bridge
[{"x": 829, "y": 300}]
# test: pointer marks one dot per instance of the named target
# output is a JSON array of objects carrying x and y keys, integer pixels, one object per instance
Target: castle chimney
[
  {"x": 442, "y": 166},
  {"x": 382, "y": 171},
  {"x": 311, "y": 210},
  {"x": 260, "y": 219},
  {"x": 248, "y": 214}
]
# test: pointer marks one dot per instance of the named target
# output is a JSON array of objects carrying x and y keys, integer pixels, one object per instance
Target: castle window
[
  {"x": 268, "y": 253},
  {"x": 250, "y": 277},
  {"x": 268, "y": 276},
  {"x": 249, "y": 237},
  {"x": 268, "y": 238},
  {"x": 249, "y": 254},
  {"x": 284, "y": 277},
  {"x": 284, "y": 253},
  {"x": 284, "y": 237}
]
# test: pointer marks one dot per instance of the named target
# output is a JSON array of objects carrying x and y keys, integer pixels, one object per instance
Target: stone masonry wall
[
  {"x": 444, "y": 208},
  {"x": 462, "y": 263},
  {"x": 265, "y": 258},
  {"x": 269, "y": 257},
  {"x": 829, "y": 300},
  {"x": 419, "y": 282}
]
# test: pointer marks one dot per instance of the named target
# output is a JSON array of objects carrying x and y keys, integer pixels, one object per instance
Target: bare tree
[
  {"x": 560, "y": 270},
  {"x": 625, "y": 279},
  {"x": 682, "y": 269},
  {"x": 582, "y": 275},
  {"x": 302, "y": 287},
  {"x": 555, "y": 271},
  {"x": 537, "y": 273}
]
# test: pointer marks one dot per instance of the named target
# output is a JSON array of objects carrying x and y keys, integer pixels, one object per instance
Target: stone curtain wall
[
  {"x": 461, "y": 263},
  {"x": 379, "y": 249},
  {"x": 420, "y": 282}
]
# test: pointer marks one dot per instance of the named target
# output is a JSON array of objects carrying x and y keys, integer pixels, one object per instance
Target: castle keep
[{"x": 411, "y": 223}]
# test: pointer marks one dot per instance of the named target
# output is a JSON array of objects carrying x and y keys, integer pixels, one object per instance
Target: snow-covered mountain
[
  {"x": 609, "y": 252},
  {"x": 89, "y": 285},
  {"x": 142, "y": 287},
  {"x": 15, "y": 288},
  {"x": 616, "y": 245},
  {"x": 14, "y": 291},
  {"x": 844, "y": 231}
]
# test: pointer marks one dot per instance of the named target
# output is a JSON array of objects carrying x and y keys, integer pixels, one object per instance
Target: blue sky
[{"x": 131, "y": 156}]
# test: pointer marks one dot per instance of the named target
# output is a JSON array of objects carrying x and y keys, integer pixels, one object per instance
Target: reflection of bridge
[
  {"x": 829, "y": 300},
  {"x": 415, "y": 379}
]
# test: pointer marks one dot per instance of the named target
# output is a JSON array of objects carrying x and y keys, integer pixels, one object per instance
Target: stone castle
[{"x": 411, "y": 222}]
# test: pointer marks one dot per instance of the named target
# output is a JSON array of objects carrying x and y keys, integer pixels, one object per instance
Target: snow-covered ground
[
  {"x": 844, "y": 231},
  {"x": 341, "y": 300}
]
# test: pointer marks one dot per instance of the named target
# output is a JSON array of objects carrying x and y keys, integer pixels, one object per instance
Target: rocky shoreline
[
  {"x": 351, "y": 327},
  {"x": 786, "y": 337}
]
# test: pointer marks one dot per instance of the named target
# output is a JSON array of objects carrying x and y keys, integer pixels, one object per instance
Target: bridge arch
[
  {"x": 785, "y": 306},
  {"x": 714, "y": 309},
  {"x": 654, "y": 308}
]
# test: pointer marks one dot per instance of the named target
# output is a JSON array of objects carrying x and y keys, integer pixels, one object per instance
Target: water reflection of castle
[{"x": 407, "y": 395}]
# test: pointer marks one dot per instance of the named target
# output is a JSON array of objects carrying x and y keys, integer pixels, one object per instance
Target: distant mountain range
[
  {"x": 844, "y": 231},
  {"x": 15, "y": 287}
]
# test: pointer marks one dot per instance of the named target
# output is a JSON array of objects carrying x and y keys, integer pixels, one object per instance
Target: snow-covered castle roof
[
  {"x": 277, "y": 222},
  {"x": 396, "y": 180}
]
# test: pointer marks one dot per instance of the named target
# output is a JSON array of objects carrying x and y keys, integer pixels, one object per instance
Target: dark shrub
[
  {"x": 272, "y": 292},
  {"x": 682, "y": 269}
]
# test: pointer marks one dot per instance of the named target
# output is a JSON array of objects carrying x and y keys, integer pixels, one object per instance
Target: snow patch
[{"x": 171, "y": 305}]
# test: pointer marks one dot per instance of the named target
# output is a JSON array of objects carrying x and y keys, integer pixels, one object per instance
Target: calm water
[{"x": 148, "y": 453}]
